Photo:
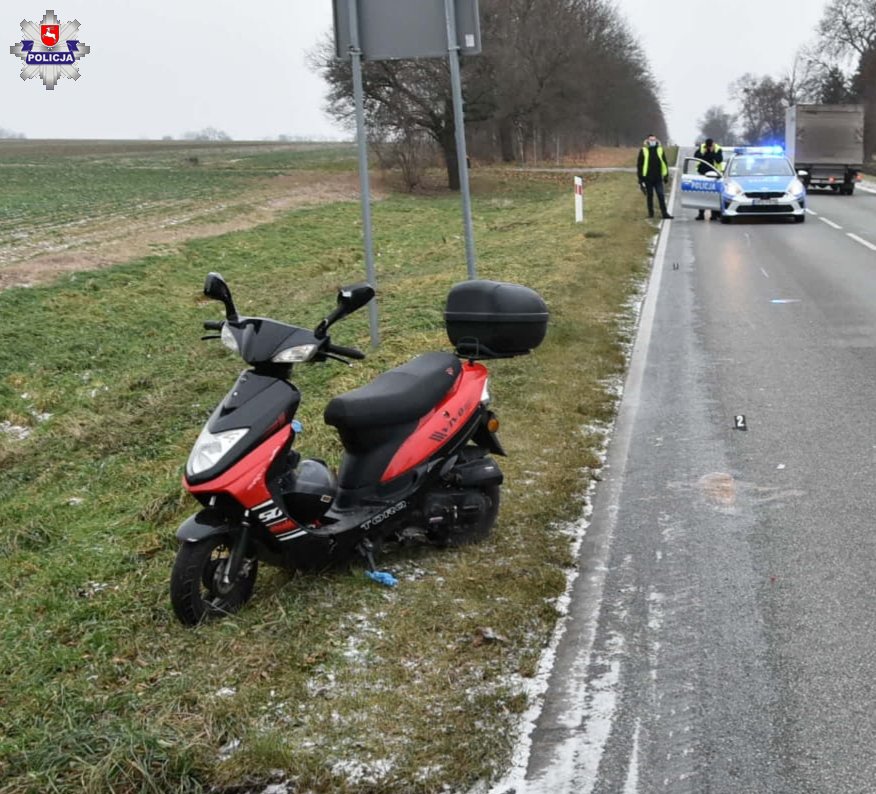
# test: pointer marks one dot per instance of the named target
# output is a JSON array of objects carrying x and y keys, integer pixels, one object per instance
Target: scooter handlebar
[
  {"x": 347, "y": 352},
  {"x": 213, "y": 325}
]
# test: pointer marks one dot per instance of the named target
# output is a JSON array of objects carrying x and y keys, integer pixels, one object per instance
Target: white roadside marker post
[{"x": 579, "y": 199}]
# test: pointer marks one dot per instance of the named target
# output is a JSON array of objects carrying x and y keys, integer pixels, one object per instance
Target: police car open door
[{"x": 701, "y": 185}]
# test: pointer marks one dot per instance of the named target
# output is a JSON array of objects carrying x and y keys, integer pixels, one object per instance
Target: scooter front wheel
[{"x": 198, "y": 590}]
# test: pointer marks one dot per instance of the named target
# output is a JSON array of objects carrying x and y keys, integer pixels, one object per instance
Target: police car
[{"x": 757, "y": 181}]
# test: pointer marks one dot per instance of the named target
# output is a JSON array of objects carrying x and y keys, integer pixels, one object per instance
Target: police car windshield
[{"x": 759, "y": 166}]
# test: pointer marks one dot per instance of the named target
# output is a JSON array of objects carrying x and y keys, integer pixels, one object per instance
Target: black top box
[{"x": 493, "y": 319}]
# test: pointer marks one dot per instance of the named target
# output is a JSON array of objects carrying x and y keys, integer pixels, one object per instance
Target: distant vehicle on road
[
  {"x": 826, "y": 141},
  {"x": 757, "y": 181}
]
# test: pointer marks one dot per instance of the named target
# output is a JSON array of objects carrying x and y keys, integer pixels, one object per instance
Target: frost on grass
[
  {"x": 91, "y": 589},
  {"x": 276, "y": 712},
  {"x": 15, "y": 432},
  {"x": 228, "y": 749},
  {"x": 358, "y": 773},
  {"x": 410, "y": 571},
  {"x": 360, "y": 631}
]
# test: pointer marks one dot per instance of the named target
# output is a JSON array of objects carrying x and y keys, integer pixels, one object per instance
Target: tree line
[
  {"x": 553, "y": 76},
  {"x": 837, "y": 67}
]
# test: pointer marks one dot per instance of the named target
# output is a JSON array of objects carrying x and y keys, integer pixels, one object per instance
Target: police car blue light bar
[{"x": 759, "y": 150}]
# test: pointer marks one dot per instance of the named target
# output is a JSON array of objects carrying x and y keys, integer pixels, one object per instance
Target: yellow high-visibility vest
[
  {"x": 664, "y": 169},
  {"x": 702, "y": 150}
]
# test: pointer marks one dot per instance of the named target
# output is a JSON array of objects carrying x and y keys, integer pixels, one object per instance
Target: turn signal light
[{"x": 492, "y": 424}]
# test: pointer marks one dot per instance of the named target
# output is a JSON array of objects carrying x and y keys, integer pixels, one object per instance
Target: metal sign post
[
  {"x": 459, "y": 126},
  {"x": 387, "y": 29},
  {"x": 364, "y": 182}
]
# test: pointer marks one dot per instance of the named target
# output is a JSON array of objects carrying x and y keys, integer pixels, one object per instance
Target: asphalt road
[{"x": 722, "y": 631}]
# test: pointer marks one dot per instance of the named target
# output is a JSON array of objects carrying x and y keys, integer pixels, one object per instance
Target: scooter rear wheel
[{"x": 196, "y": 588}]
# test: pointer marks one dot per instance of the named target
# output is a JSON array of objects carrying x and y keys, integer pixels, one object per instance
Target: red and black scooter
[{"x": 417, "y": 445}]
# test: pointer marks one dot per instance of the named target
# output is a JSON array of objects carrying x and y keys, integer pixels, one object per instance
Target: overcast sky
[
  {"x": 696, "y": 48},
  {"x": 164, "y": 67}
]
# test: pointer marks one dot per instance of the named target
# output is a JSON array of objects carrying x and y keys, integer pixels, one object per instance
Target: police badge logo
[{"x": 50, "y": 50}]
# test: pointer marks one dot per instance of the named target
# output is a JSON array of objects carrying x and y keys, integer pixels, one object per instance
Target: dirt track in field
[
  {"x": 40, "y": 255},
  {"x": 101, "y": 241}
]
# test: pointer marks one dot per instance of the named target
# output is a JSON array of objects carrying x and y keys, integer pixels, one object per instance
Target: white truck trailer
[{"x": 827, "y": 142}]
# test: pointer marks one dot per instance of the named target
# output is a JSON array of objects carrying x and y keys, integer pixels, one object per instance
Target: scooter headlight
[
  {"x": 228, "y": 339},
  {"x": 210, "y": 448},
  {"x": 485, "y": 394},
  {"x": 295, "y": 355}
]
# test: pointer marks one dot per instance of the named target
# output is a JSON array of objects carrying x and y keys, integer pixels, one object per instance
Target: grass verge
[{"x": 331, "y": 681}]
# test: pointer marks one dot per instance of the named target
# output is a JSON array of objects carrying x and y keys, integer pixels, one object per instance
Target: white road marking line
[
  {"x": 811, "y": 212},
  {"x": 830, "y": 223},
  {"x": 765, "y": 274},
  {"x": 866, "y": 189},
  {"x": 862, "y": 241}
]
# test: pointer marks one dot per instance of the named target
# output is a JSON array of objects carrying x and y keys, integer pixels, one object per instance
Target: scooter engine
[{"x": 449, "y": 510}]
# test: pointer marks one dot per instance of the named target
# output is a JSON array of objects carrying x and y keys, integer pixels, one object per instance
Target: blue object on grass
[
  {"x": 297, "y": 427},
  {"x": 382, "y": 577}
]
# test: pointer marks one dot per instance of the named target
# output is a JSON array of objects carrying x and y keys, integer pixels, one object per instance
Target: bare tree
[
  {"x": 762, "y": 102},
  {"x": 403, "y": 94},
  {"x": 848, "y": 31},
  {"x": 410, "y": 150},
  {"x": 803, "y": 79},
  {"x": 848, "y": 28},
  {"x": 529, "y": 47},
  {"x": 207, "y": 134},
  {"x": 550, "y": 69},
  {"x": 833, "y": 87},
  {"x": 718, "y": 125}
]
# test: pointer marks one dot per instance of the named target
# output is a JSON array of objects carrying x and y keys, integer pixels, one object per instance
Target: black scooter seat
[{"x": 403, "y": 394}]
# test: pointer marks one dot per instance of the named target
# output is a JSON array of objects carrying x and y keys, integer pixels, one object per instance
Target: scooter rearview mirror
[
  {"x": 216, "y": 288},
  {"x": 354, "y": 297},
  {"x": 349, "y": 299}
]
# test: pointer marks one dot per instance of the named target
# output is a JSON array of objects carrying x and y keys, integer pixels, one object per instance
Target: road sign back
[{"x": 392, "y": 29}]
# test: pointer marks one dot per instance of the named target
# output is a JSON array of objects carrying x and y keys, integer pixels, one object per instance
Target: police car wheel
[{"x": 725, "y": 219}]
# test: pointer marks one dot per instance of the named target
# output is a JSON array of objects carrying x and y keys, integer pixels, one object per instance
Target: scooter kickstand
[{"x": 366, "y": 549}]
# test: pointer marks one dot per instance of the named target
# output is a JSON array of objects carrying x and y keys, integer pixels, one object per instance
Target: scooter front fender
[{"x": 203, "y": 524}]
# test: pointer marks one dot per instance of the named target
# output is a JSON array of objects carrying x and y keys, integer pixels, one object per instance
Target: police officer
[
  {"x": 710, "y": 153},
  {"x": 653, "y": 172}
]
